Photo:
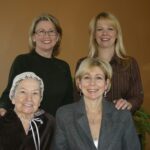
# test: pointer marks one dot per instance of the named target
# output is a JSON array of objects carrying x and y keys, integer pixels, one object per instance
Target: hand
[
  {"x": 2, "y": 111},
  {"x": 122, "y": 104}
]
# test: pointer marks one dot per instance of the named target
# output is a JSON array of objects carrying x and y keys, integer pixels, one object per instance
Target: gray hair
[{"x": 23, "y": 76}]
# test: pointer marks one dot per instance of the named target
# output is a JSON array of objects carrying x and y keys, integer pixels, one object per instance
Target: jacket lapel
[
  {"x": 83, "y": 125},
  {"x": 107, "y": 127}
]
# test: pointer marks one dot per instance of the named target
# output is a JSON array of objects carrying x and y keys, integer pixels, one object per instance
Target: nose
[
  {"x": 29, "y": 97},
  {"x": 92, "y": 81},
  {"x": 104, "y": 32}
]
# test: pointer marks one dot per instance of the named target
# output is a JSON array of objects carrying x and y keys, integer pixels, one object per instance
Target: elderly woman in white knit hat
[{"x": 26, "y": 127}]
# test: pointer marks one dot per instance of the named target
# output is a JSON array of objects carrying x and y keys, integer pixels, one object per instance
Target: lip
[
  {"x": 46, "y": 41},
  {"x": 105, "y": 39},
  {"x": 28, "y": 105},
  {"x": 92, "y": 90}
]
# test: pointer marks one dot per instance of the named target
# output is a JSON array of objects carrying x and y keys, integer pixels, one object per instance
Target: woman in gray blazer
[{"x": 93, "y": 123}]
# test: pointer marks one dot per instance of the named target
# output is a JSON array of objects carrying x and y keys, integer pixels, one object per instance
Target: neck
[
  {"x": 44, "y": 53},
  {"x": 22, "y": 116},
  {"x": 106, "y": 53},
  {"x": 93, "y": 106}
]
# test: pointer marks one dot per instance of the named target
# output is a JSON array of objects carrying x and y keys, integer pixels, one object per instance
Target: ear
[
  {"x": 107, "y": 85},
  {"x": 78, "y": 84},
  {"x": 33, "y": 38},
  {"x": 13, "y": 101},
  {"x": 58, "y": 36}
]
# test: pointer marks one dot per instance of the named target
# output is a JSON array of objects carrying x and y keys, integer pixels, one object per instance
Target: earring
[{"x": 105, "y": 93}]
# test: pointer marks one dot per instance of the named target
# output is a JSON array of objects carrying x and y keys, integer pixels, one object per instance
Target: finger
[
  {"x": 124, "y": 106},
  {"x": 119, "y": 104}
]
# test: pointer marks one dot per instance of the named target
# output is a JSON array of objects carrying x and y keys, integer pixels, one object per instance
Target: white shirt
[{"x": 95, "y": 143}]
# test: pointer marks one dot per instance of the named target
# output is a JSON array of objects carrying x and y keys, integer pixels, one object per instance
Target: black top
[
  {"x": 13, "y": 136},
  {"x": 58, "y": 88}
]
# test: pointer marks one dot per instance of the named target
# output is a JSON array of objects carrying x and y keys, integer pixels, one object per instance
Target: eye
[
  {"x": 99, "y": 29},
  {"x": 99, "y": 78},
  {"x": 51, "y": 31},
  {"x": 40, "y": 32},
  {"x": 86, "y": 77},
  {"x": 111, "y": 29},
  {"x": 36, "y": 93},
  {"x": 22, "y": 91}
]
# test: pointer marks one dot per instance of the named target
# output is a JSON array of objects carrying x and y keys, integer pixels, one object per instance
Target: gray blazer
[{"x": 73, "y": 133}]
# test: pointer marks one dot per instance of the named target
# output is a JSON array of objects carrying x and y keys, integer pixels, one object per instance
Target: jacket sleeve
[
  {"x": 60, "y": 140},
  {"x": 130, "y": 138},
  {"x": 69, "y": 92},
  {"x": 135, "y": 94}
]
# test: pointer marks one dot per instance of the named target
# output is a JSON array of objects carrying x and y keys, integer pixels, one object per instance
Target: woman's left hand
[{"x": 122, "y": 104}]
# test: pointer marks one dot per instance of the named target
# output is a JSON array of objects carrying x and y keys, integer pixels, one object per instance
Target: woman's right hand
[{"x": 2, "y": 111}]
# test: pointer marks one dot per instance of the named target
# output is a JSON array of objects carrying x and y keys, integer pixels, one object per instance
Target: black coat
[{"x": 13, "y": 136}]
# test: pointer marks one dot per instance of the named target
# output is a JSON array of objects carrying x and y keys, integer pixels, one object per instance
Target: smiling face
[
  {"x": 93, "y": 84},
  {"x": 27, "y": 97},
  {"x": 105, "y": 34},
  {"x": 45, "y": 36}
]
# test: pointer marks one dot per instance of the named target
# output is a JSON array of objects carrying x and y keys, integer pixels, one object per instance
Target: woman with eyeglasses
[{"x": 44, "y": 39}]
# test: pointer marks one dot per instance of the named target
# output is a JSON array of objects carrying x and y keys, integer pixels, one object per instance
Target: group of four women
[{"x": 107, "y": 86}]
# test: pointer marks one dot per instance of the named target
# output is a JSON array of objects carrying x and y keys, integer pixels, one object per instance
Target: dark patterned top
[{"x": 126, "y": 82}]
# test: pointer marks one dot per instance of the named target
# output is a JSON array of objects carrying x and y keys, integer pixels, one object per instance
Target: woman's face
[
  {"x": 45, "y": 36},
  {"x": 93, "y": 84},
  {"x": 27, "y": 97},
  {"x": 105, "y": 34}
]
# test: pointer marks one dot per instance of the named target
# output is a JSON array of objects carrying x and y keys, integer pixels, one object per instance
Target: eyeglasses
[{"x": 49, "y": 33}]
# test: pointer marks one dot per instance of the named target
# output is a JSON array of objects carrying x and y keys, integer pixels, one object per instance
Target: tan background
[{"x": 74, "y": 16}]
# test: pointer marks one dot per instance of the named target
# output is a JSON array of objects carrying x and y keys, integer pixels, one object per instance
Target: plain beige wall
[{"x": 74, "y": 16}]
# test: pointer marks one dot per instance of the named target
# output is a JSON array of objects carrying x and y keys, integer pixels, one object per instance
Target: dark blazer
[{"x": 73, "y": 133}]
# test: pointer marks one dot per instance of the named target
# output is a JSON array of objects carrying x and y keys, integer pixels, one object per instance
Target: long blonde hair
[{"x": 93, "y": 46}]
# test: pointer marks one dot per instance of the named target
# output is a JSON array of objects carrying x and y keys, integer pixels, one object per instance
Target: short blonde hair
[
  {"x": 45, "y": 17},
  {"x": 89, "y": 63}
]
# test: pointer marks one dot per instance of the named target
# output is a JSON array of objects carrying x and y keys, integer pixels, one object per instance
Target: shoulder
[
  {"x": 117, "y": 115},
  {"x": 49, "y": 117},
  {"x": 22, "y": 57},
  {"x": 133, "y": 64},
  {"x": 8, "y": 119},
  {"x": 62, "y": 65},
  {"x": 132, "y": 60},
  {"x": 60, "y": 62},
  {"x": 66, "y": 110},
  {"x": 127, "y": 63}
]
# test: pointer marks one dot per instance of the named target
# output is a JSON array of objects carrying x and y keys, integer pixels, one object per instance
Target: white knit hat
[{"x": 22, "y": 76}]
